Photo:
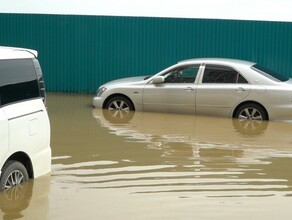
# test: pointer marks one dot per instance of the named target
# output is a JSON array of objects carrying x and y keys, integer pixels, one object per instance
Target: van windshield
[{"x": 270, "y": 73}]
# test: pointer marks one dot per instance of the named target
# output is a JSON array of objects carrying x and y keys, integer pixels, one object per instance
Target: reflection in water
[
  {"x": 26, "y": 201},
  {"x": 165, "y": 166},
  {"x": 205, "y": 154}
]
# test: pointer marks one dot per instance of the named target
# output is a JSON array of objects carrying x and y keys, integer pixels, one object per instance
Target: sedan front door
[{"x": 175, "y": 95}]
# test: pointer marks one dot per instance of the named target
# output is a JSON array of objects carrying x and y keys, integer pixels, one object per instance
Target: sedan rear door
[{"x": 220, "y": 89}]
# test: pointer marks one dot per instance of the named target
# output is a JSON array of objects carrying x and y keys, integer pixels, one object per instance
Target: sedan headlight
[{"x": 100, "y": 91}]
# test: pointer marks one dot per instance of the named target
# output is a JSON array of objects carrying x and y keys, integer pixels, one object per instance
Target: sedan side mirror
[{"x": 158, "y": 79}]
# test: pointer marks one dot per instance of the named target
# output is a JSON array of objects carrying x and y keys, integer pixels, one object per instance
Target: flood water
[{"x": 157, "y": 166}]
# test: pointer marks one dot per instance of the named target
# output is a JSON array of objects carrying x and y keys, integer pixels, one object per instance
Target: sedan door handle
[
  {"x": 240, "y": 89},
  {"x": 189, "y": 89}
]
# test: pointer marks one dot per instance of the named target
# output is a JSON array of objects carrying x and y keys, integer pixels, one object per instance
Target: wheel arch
[
  {"x": 249, "y": 102},
  {"x": 116, "y": 94},
  {"x": 25, "y": 160}
]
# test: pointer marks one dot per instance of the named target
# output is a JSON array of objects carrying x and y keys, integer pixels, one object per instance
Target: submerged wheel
[
  {"x": 118, "y": 117},
  {"x": 13, "y": 173},
  {"x": 250, "y": 128},
  {"x": 119, "y": 103},
  {"x": 251, "y": 111}
]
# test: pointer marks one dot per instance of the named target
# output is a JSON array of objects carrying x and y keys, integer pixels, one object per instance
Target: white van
[{"x": 25, "y": 150}]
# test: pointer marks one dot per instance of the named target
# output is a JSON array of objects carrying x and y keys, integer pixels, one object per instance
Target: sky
[{"x": 266, "y": 10}]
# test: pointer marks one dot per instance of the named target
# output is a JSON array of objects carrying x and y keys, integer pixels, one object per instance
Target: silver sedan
[{"x": 211, "y": 86}]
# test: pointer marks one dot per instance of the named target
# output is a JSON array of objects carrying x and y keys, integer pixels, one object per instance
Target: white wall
[{"x": 267, "y": 10}]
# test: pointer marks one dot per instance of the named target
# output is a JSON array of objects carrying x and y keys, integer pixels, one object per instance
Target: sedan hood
[{"x": 126, "y": 80}]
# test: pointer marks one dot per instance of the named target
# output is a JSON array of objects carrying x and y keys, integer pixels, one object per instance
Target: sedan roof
[{"x": 222, "y": 61}]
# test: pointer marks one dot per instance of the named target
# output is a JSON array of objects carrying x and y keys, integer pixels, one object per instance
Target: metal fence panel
[{"x": 78, "y": 53}]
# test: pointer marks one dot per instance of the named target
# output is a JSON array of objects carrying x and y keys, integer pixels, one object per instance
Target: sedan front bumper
[{"x": 97, "y": 102}]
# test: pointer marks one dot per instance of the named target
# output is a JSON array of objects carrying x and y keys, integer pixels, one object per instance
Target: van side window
[{"x": 18, "y": 81}]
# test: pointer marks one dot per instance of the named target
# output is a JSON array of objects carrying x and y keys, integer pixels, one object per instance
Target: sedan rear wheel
[
  {"x": 119, "y": 103},
  {"x": 251, "y": 111}
]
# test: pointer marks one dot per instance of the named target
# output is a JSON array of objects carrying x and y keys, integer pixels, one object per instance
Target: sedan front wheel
[
  {"x": 251, "y": 111},
  {"x": 119, "y": 103}
]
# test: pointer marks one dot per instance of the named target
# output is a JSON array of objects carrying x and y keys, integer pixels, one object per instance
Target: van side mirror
[{"x": 158, "y": 79}]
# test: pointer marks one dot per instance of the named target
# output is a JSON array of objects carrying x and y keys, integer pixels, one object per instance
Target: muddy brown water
[{"x": 107, "y": 165}]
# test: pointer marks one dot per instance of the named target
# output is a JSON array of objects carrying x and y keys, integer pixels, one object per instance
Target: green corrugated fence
[{"x": 78, "y": 53}]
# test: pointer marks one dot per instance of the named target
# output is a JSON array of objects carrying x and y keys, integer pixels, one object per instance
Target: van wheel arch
[{"x": 25, "y": 160}]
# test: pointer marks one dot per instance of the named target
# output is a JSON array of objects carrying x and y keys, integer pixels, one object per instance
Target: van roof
[{"x": 16, "y": 53}]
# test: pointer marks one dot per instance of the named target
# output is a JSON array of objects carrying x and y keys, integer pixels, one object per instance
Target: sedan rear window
[
  {"x": 222, "y": 74},
  {"x": 269, "y": 73}
]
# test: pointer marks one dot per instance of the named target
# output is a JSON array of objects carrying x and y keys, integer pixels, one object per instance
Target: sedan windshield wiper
[{"x": 147, "y": 77}]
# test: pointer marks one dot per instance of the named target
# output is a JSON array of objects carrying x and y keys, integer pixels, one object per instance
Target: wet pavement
[{"x": 108, "y": 165}]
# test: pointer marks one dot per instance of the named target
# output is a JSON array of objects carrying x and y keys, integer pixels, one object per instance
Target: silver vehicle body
[{"x": 200, "y": 96}]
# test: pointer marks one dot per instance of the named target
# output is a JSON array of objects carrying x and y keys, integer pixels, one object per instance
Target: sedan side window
[
  {"x": 182, "y": 75},
  {"x": 222, "y": 74}
]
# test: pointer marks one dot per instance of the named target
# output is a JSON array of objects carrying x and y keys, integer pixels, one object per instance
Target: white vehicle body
[{"x": 24, "y": 122}]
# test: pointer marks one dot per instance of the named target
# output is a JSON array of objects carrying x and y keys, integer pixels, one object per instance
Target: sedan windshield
[{"x": 269, "y": 73}]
